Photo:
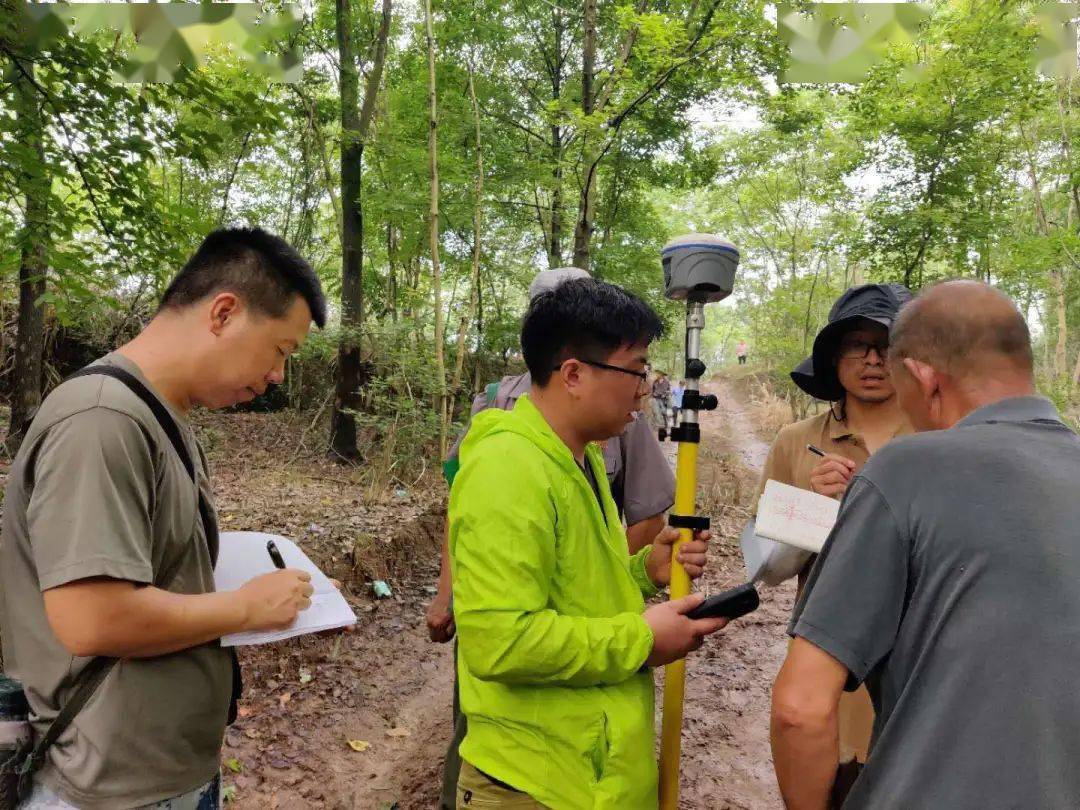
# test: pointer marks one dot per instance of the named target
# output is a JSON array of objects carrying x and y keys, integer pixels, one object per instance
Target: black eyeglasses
[
  {"x": 860, "y": 349},
  {"x": 643, "y": 376}
]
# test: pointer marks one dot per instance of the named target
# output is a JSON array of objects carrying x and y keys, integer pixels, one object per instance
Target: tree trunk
[
  {"x": 474, "y": 283},
  {"x": 1065, "y": 94},
  {"x": 584, "y": 227},
  {"x": 354, "y": 125},
  {"x": 391, "y": 279},
  {"x": 324, "y": 158},
  {"x": 1056, "y": 275},
  {"x": 555, "y": 258},
  {"x": 809, "y": 307},
  {"x": 1057, "y": 284},
  {"x": 433, "y": 231},
  {"x": 347, "y": 397},
  {"x": 477, "y": 370},
  {"x": 30, "y": 335}
]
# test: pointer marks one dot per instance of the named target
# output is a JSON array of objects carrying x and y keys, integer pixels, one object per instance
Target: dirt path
[{"x": 387, "y": 686}]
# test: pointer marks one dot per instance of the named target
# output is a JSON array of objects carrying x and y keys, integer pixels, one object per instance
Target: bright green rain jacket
[{"x": 548, "y": 604}]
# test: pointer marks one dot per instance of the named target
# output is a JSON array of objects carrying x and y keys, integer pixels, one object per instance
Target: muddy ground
[{"x": 385, "y": 689}]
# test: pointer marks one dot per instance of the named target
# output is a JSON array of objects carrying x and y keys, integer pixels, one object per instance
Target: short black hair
[
  {"x": 263, "y": 269},
  {"x": 583, "y": 318}
]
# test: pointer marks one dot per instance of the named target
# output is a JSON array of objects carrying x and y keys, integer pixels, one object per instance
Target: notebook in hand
[
  {"x": 795, "y": 516},
  {"x": 243, "y": 556}
]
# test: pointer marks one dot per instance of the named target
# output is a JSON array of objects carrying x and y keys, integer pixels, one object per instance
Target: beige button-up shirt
[{"x": 791, "y": 463}]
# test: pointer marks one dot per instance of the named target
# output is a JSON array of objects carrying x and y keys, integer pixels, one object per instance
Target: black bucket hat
[{"x": 874, "y": 303}]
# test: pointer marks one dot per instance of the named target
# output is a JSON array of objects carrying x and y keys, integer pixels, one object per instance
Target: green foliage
[{"x": 953, "y": 159}]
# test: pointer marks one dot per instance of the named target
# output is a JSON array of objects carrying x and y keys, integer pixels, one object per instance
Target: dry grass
[
  {"x": 726, "y": 485},
  {"x": 768, "y": 411}
]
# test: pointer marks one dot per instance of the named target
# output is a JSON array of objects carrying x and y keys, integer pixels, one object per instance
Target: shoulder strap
[
  {"x": 89, "y": 680},
  {"x": 161, "y": 413},
  {"x": 492, "y": 392},
  {"x": 168, "y": 424}
]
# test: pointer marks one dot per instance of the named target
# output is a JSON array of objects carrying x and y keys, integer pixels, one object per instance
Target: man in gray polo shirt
[{"x": 949, "y": 585}]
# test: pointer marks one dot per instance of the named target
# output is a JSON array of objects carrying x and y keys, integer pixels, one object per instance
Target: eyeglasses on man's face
[
  {"x": 859, "y": 349},
  {"x": 642, "y": 376}
]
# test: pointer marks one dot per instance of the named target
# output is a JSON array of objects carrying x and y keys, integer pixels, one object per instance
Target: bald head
[{"x": 965, "y": 329}]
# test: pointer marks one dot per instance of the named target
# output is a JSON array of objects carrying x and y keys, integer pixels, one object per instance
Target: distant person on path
[
  {"x": 677, "y": 391},
  {"x": 110, "y": 538},
  {"x": 847, "y": 369},
  {"x": 741, "y": 351},
  {"x": 641, "y": 482},
  {"x": 660, "y": 400},
  {"x": 948, "y": 585}
]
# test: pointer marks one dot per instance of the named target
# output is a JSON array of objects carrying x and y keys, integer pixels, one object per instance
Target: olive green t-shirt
[{"x": 97, "y": 490}]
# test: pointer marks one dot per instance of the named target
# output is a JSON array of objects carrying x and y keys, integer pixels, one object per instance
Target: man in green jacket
[{"x": 555, "y": 643}]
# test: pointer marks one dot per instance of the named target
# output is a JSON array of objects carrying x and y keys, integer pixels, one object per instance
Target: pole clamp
[
  {"x": 687, "y": 432},
  {"x": 696, "y": 401},
  {"x": 695, "y": 369}
]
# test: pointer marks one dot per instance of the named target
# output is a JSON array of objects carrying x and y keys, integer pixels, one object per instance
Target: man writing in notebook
[
  {"x": 847, "y": 369},
  {"x": 948, "y": 585},
  {"x": 555, "y": 643},
  {"x": 108, "y": 543}
]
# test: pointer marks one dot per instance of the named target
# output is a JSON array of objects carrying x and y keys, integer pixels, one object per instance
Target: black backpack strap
[
  {"x": 161, "y": 413},
  {"x": 89, "y": 680},
  {"x": 168, "y": 424}
]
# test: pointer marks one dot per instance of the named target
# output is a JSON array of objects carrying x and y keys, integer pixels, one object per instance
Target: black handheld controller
[{"x": 728, "y": 605}]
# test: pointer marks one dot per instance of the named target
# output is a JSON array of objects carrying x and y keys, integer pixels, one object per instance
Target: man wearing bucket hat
[
  {"x": 847, "y": 370},
  {"x": 642, "y": 485}
]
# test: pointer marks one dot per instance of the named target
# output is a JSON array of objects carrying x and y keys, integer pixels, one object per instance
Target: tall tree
[
  {"x": 355, "y": 124},
  {"x": 433, "y": 231},
  {"x": 474, "y": 277},
  {"x": 34, "y": 183}
]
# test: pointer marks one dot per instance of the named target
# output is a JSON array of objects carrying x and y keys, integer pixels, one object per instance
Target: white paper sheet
[
  {"x": 243, "y": 557},
  {"x": 795, "y": 516}
]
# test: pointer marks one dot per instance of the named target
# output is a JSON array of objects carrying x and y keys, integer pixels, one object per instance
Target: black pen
[
  {"x": 817, "y": 451},
  {"x": 275, "y": 555}
]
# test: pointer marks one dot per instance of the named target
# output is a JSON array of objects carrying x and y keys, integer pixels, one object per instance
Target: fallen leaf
[
  {"x": 284, "y": 698},
  {"x": 234, "y": 765},
  {"x": 305, "y": 675},
  {"x": 359, "y": 745},
  {"x": 243, "y": 711},
  {"x": 398, "y": 732}
]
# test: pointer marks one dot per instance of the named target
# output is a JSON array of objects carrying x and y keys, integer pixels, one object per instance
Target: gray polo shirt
[
  {"x": 641, "y": 480},
  {"x": 951, "y": 586}
]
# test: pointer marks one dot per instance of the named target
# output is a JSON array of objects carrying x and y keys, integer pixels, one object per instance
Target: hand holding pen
[{"x": 832, "y": 474}]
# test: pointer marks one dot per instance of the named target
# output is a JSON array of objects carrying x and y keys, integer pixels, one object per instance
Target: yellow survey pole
[
  {"x": 698, "y": 269},
  {"x": 675, "y": 673},
  {"x": 684, "y": 517}
]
